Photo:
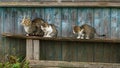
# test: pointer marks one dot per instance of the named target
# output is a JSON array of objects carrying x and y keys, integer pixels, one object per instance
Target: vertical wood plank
[
  {"x": 70, "y": 53},
  {"x": 57, "y": 20},
  {"x": 43, "y": 55},
  {"x": 98, "y": 53},
  {"x": 7, "y": 28},
  {"x": 66, "y": 51},
  {"x": 90, "y": 16},
  {"x": 81, "y": 16},
  {"x": 1, "y": 31},
  {"x": 57, "y": 51},
  {"x": 98, "y": 20},
  {"x": 107, "y": 52},
  {"x": 36, "y": 44},
  {"x": 114, "y": 29},
  {"x": 90, "y": 52},
  {"x": 82, "y": 52},
  {"x": 29, "y": 49},
  {"x": 73, "y": 20},
  {"x": 118, "y": 23},
  {"x": 106, "y": 29},
  {"x": 66, "y": 23}
]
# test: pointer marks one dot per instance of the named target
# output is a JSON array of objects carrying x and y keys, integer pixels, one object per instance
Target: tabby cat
[
  {"x": 85, "y": 32},
  {"x": 33, "y": 27},
  {"x": 49, "y": 30}
]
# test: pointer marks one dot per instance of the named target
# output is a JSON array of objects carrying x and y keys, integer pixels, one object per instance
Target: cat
[
  {"x": 49, "y": 30},
  {"x": 33, "y": 27},
  {"x": 85, "y": 32}
]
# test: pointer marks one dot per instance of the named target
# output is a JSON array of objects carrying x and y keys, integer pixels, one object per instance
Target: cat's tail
[{"x": 103, "y": 35}]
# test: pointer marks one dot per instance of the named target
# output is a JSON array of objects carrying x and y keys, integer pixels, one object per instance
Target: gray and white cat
[
  {"x": 49, "y": 30},
  {"x": 33, "y": 27},
  {"x": 85, "y": 32}
]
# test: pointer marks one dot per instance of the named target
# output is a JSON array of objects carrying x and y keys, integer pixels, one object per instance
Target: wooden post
[
  {"x": 32, "y": 49},
  {"x": 36, "y": 49},
  {"x": 29, "y": 49}
]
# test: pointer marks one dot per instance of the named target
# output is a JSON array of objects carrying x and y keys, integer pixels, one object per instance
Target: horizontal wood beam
[
  {"x": 96, "y": 40},
  {"x": 59, "y": 4},
  {"x": 36, "y": 63}
]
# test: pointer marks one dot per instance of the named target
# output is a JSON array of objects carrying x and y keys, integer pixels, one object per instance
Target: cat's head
[
  {"x": 26, "y": 21},
  {"x": 76, "y": 29},
  {"x": 44, "y": 26}
]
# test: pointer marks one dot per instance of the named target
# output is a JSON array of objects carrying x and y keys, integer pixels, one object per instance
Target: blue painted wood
[
  {"x": 65, "y": 22},
  {"x": 118, "y": 23},
  {"x": 114, "y": 17}
]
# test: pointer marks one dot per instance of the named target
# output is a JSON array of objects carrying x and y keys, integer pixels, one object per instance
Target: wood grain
[
  {"x": 29, "y": 49},
  {"x": 36, "y": 49},
  {"x": 60, "y": 39},
  {"x": 72, "y": 64},
  {"x": 57, "y": 4}
]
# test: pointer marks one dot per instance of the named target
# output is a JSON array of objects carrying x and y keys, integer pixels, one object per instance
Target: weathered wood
[
  {"x": 63, "y": 64},
  {"x": 58, "y": 4},
  {"x": 36, "y": 46},
  {"x": 29, "y": 49},
  {"x": 104, "y": 40}
]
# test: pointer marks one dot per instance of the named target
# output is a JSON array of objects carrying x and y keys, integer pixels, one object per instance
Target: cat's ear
[{"x": 24, "y": 17}]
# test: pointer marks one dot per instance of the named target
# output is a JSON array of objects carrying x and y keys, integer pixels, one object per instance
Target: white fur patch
[
  {"x": 48, "y": 30},
  {"x": 26, "y": 29},
  {"x": 80, "y": 34},
  {"x": 73, "y": 31}
]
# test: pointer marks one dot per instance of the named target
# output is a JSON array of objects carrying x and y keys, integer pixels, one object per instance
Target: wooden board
[
  {"x": 59, "y": 38},
  {"x": 62, "y": 4},
  {"x": 65, "y": 64}
]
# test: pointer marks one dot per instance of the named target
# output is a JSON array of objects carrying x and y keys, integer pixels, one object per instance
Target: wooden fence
[{"x": 105, "y": 20}]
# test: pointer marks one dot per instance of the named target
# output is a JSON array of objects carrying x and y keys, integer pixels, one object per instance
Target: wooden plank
[
  {"x": 107, "y": 53},
  {"x": 73, "y": 20},
  {"x": 65, "y": 23},
  {"x": 114, "y": 20},
  {"x": 57, "y": 50},
  {"x": 90, "y": 16},
  {"x": 1, "y": 31},
  {"x": 81, "y": 16},
  {"x": 29, "y": 49},
  {"x": 98, "y": 53},
  {"x": 69, "y": 52},
  {"x": 63, "y": 64},
  {"x": 43, "y": 45},
  {"x": 82, "y": 52},
  {"x": 57, "y": 20},
  {"x": 98, "y": 20},
  {"x": 36, "y": 54},
  {"x": 61, "y": 39},
  {"x": 106, "y": 23},
  {"x": 58, "y": 0},
  {"x": 89, "y": 52},
  {"x": 9, "y": 26},
  {"x": 62, "y": 4}
]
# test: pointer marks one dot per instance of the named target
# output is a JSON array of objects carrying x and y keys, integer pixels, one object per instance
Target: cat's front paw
[
  {"x": 87, "y": 38},
  {"x": 27, "y": 34},
  {"x": 78, "y": 37},
  {"x": 82, "y": 38},
  {"x": 47, "y": 36}
]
